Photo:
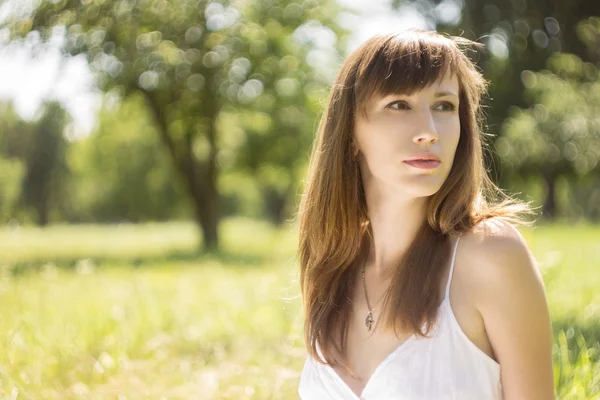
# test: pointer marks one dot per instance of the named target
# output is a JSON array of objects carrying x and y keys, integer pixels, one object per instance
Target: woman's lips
[{"x": 424, "y": 164}]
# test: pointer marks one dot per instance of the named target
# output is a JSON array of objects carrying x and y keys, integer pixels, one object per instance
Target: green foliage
[
  {"x": 122, "y": 172},
  {"x": 561, "y": 131},
  {"x": 15, "y": 138},
  {"x": 558, "y": 137},
  {"x": 40, "y": 147},
  {"x": 125, "y": 319},
  {"x": 10, "y": 186},
  {"x": 44, "y": 183},
  {"x": 577, "y": 199}
]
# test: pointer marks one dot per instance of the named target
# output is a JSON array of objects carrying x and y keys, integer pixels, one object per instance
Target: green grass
[{"x": 132, "y": 312}]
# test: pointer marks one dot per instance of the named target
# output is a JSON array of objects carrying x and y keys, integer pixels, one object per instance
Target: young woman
[{"x": 416, "y": 283}]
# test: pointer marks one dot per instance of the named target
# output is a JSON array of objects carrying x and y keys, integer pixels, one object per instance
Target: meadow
[{"x": 134, "y": 312}]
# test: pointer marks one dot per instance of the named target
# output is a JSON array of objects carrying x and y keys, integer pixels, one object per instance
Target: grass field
[{"x": 132, "y": 312}]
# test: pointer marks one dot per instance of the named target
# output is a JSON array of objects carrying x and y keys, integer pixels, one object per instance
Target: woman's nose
[{"x": 427, "y": 131}]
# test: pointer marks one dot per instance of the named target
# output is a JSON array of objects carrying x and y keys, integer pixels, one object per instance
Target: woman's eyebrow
[
  {"x": 442, "y": 94},
  {"x": 436, "y": 95}
]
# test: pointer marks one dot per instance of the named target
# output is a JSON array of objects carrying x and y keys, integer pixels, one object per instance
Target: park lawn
[{"x": 132, "y": 311}]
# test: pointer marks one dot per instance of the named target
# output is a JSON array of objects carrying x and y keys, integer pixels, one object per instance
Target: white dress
[{"x": 443, "y": 367}]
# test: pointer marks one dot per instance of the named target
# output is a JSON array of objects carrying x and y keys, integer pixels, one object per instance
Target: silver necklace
[{"x": 370, "y": 319}]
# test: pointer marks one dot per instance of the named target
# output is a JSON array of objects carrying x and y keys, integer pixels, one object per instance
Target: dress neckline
[
  {"x": 382, "y": 364},
  {"x": 405, "y": 343}
]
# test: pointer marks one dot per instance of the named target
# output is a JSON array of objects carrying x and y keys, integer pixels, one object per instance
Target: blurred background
[{"x": 152, "y": 157}]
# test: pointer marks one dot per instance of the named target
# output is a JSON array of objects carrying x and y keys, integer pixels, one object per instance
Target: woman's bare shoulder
[
  {"x": 490, "y": 246},
  {"x": 494, "y": 228},
  {"x": 508, "y": 291},
  {"x": 492, "y": 236}
]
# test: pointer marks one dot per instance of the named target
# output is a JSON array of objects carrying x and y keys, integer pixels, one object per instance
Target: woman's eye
[
  {"x": 401, "y": 105},
  {"x": 450, "y": 106}
]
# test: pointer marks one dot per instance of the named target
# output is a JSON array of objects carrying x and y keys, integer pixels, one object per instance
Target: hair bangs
[{"x": 402, "y": 65}]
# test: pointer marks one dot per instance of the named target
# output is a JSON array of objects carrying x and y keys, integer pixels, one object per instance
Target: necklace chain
[{"x": 370, "y": 319}]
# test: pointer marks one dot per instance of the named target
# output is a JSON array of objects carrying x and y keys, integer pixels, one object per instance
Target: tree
[
  {"x": 189, "y": 59},
  {"x": 40, "y": 148},
  {"x": 45, "y": 165},
  {"x": 560, "y": 133}
]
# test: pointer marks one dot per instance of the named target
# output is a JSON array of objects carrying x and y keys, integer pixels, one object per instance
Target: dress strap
[{"x": 452, "y": 266}]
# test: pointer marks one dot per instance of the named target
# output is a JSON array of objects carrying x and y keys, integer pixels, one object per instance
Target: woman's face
[{"x": 400, "y": 127}]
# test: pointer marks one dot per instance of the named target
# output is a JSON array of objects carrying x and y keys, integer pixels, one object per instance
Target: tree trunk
[
  {"x": 207, "y": 216},
  {"x": 549, "y": 207},
  {"x": 201, "y": 184},
  {"x": 274, "y": 205},
  {"x": 199, "y": 178},
  {"x": 42, "y": 212}
]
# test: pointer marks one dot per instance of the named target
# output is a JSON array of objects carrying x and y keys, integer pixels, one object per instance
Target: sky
[{"x": 28, "y": 80}]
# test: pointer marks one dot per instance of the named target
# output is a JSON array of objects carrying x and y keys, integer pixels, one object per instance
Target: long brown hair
[{"x": 334, "y": 222}]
